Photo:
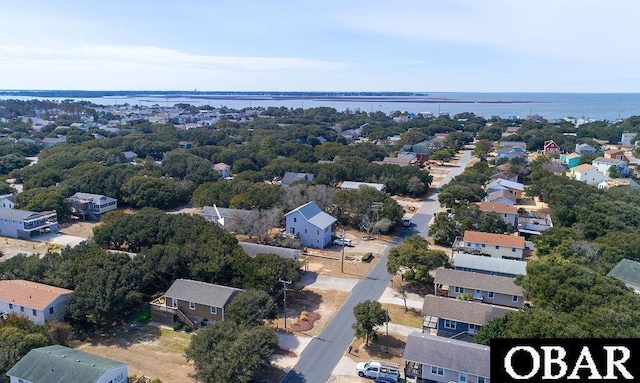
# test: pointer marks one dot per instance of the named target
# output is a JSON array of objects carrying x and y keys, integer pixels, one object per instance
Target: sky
[{"x": 328, "y": 45}]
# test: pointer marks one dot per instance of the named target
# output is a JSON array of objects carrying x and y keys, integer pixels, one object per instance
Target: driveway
[
  {"x": 328, "y": 283},
  {"x": 296, "y": 343},
  {"x": 414, "y": 301}
]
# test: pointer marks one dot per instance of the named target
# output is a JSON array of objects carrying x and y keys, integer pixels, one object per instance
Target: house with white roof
[
  {"x": 515, "y": 188},
  {"x": 91, "y": 206},
  {"x": 604, "y": 165},
  {"x": 352, "y": 185},
  {"x": 311, "y": 224},
  {"x": 489, "y": 265}
]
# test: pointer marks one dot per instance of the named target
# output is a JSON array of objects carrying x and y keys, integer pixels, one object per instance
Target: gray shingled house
[{"x": 192, "y": 302}]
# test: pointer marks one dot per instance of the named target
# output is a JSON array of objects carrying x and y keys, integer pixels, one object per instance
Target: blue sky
[{"x": 328, "y": 45}]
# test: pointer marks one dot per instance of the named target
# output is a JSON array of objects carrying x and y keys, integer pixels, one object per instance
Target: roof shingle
[
  {"x": 494, "y": 239},
  {"x": 30, "y": 294}
]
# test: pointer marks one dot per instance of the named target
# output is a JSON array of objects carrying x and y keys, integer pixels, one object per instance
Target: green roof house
[
  {"x": 63, "y": 364},
  {"x": 627, "y": 271}
]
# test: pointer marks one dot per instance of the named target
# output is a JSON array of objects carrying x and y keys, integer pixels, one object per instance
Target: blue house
[
  {"x": 311, "y": 224},
  {"x": 448, "y": 317},
  {"x": 571, "y": 160}
]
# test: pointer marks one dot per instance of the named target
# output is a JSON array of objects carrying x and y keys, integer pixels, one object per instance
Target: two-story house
[
  {"x": 588, "y": 174},
  {"x": 450, "y": 317},
  {"x": 509, "y": 176},
  {"x": 503, "y": 197},
  {"x": 63, "y": 364},
  {"x": 311, "y": 224},
  {"x": 492, "y": 289},
  {"x": 490, "y": 244},
  {"x": 91, "y": 206},
  {"x": 489, "y": 265},
  {"x": 515, "y": 188},
  {"x": 436, "y": 359},
  {"x": 36, "y": 301},
  {"x": 604, "y": 165},
  {"x": 22, "y": 224},
  {"x": 193, "y": 303},
  {"x": 223, "y": 169},
  {"x": 585, "y": 149},
  {"x": 616, "y": 154},
  {"x": 509, "y": 214},
  {"x": 8, "y": 201},
  {"x": 550, "y": 146}
]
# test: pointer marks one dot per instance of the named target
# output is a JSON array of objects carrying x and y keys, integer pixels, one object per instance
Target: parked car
[{"x": 342, "y": 242}]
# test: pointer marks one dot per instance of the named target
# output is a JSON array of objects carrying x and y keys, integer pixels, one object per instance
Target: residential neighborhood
[{"x": 148, "y": 234}]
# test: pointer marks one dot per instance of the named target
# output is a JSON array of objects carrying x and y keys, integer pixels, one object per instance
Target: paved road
[
  {"x": 321, "y": 356},
  {"x": 420, "y": 220}
]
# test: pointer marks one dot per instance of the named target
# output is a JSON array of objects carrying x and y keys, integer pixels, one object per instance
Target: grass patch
[
  {"x": 141, "y": 316},
  {"x": 174, "y": 340},
  {"x": 397, "y": 315}
]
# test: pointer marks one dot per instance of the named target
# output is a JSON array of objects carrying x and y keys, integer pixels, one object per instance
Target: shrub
[
  {"x": 367, "y": 257},
  {"x": 187, "y": 328},
  {"x": 177, "y": 326}
]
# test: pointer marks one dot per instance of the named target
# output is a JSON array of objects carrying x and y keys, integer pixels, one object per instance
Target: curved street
[{"x": 323, "y": 353}]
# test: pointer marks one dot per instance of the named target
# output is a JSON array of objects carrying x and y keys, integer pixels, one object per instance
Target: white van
[
  {"x": 406, "y": 221},
  {"x": 374, "y": 369}
]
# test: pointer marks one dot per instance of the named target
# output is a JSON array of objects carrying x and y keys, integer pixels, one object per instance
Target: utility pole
[
  {"x": 284, "y": 286},
  {"x": 342, "y": 258},
  {"x": 386, "y": 313}
]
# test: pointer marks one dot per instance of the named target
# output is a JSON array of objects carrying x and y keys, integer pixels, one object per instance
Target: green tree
[
  {"x": 482, "y": 150},
  {"x": 228, "y": 352},
  {"x": 443, "y": 229},
  {"x": 368, "y": 314},
  {"x": 251, "y": 307},
  {"x": 414, "y": 256}
]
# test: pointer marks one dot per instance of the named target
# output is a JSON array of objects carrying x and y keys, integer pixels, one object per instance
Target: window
[
  {"x": 51, "y": 310},
  {"x": 214, "y": 310},
  {"x": 462, "y": 378},
  {"x": 10, "y": 306},
  {"x": 450, "y": 324},
  {"x": 514, "y": 298},
  {"x": 174, "y": 302},
  {"x": 295, "y": 219},
  {"x": 491, "y": 294},
  {"x": 317, "y": 232},
  {"x": 305, "y": 231},
  {"x": 21, "y": 309},
  {"x": 482, "y": 379},
  {"x": 497, "y": 247},
  {"x": 458, "y": 289},
  {"x": 192, "y": 305},
  {"x": 483, "y": 245},
  {"x": 35, "y": 312},
  {"x": 437, "y": 371}
]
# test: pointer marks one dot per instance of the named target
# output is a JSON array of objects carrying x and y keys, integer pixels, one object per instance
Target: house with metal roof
[
  {"x": 310, "y": 224},
  {"x": 36, "y": 301},
  {"x": 515, "y": 188},
  {"x": 254, "y": 249},
  {"x": 486, "y": 288},
  {"x": 503, "y": 197},
  {"x": 585, "y": 149},
  {"x": 490, "y": 244},
  {"x": 291, "y": 177},
  {"x": 193, "y": 302},
  {"x": 451, "y": 317},
  {"x": 91, "y": 206},
  {"x": 604, "y": 164},
  {"x": 352, "y": 185},
  {"x": 627, "y": 271},
  {"x": 62, "y": 364},
  {"x": 442, "y": 360},
  {"x": 489, "y": 265},
  {"x": 23, "y": 224}
]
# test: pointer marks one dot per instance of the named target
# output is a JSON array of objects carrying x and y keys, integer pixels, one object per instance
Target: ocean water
[{"x": 598, "y": 106}]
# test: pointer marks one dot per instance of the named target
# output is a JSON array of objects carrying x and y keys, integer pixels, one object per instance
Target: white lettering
[
  {"x": 535, "y": 357},
  {"x": 612, "y": 364},
  {"x": 549, "y": 361},
  {"x": 585, "y": 360}
]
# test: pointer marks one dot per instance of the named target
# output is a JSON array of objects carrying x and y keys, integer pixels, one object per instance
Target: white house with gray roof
[
  {"x": 485, "y": 288},
  {"x": 437, "y": 359},
  {"x": 311, "y": 224},
  {"x": 489, "y": 265},
  {"x": 193, "y": 302},
  {"x": 22, "y": 224},
  {"x": 62, "y": 364}
]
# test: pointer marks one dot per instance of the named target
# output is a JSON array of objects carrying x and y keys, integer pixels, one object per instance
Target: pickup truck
[
  {"x": 379, "y": 370},
  {"x": 342, "y": 242}
]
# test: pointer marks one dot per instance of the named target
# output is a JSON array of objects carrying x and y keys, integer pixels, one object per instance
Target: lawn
[
  {"x": 412, "y": 317},
  {"x": 142, "y": 316}
]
